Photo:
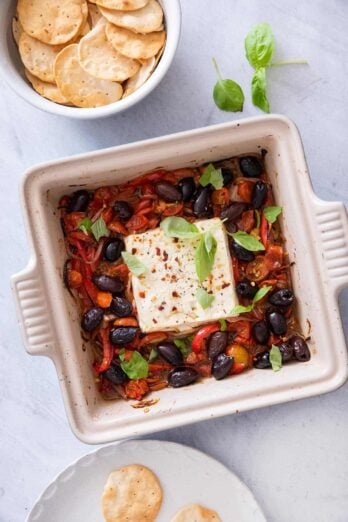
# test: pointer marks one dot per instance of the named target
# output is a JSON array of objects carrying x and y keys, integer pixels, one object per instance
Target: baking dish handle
[
  {"x": 32, "y": 311},
  {"x": 332, "y": 223}
]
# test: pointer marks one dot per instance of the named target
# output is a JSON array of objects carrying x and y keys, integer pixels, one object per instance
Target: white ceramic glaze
[
  {"x": 12, "y": 70},
  {"x": 316, "y": 238},
  {"x": 186, "y": 475}
]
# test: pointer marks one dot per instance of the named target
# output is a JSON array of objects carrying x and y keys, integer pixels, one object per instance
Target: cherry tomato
[
  {"x": 74, "y": 279},
  {"x": 242, "y": 329},
  {"x": 248, "y": 221},
  {"x": 107, "y": 215},
  {"x": 257, "y": 270},
  {"x": 118, "y": 228},
  {"x": 274, "y": 257},
  {"x": 71, "y": 221},
  {"x": 220, "y": 197},
  {"x": 103, "y": 299},
  {"x": 245, "y": 189},
  {"x": 241, "y": 356},
  {"x": 173, "y": 210},
  {"x": 152, "y": 338},
  {"x": 126, "y": 321},
  {"x": 137, "y": 222},
  {"x": 108, "y": 352}
]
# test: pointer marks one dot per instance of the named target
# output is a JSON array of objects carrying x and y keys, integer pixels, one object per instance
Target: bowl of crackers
[{"x": 87, "y": 59}]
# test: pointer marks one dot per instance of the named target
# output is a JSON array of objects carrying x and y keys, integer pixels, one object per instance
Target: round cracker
[
  {"x": 98, "y": 57},
  {"x": 134, "y": 45},
  {"x": 123, "y": 5},
  {"x": 17, "y": 29},
  {"x": 47, "y": 90},
  {"x": 140, "y": 77},
  {"x": 132, "y": 493},
  {"x": 38, "y": 57},
  {"x": 196, "y": 513},
  {"x": 82, "y": 89},
  {"x": 54, "y": 22},
  {"x": 145, "y": 20}
]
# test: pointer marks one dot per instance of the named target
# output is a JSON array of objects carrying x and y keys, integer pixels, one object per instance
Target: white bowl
[
  {"x": 12, "y": 69},
  {"x": 316, "y": 235}
]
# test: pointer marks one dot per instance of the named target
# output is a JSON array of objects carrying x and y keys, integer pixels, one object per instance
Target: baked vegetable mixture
[{"x": 181, "y": 275}]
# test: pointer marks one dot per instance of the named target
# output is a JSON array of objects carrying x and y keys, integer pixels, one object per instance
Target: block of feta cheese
[{"x": 165, "y": 295}]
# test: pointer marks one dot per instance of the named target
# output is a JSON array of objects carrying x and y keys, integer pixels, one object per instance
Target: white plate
[{"x": 186, "y": 475}]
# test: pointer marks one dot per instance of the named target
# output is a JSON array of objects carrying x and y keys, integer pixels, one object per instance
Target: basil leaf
[
  {"x": 227, "y": 94},
  {"x": 271, "y": 213},
  {"x": 209, "y": 241},
  {"x": 136, "y": 368},
  {"x": 99, "y": 229},
  {"x": 259, "y": 45},
  {"x": 204, "y": 299},
  {"x": 153, "y": 354},
  {"x": 223, "y": 325},
  {"x": 258, "y": 90},
  {"x": 180, "y": 228},
  {"x": 275, "y": 358},
  {"x": 258, "y": 219},
  {"x": 260, "y": 294},
  {"x": 204, "y": 260},
  {"x": 247, "y": 241},
  {"x": 85, "y": 225},
  {"x": 240, "y": 309},
  {"x": 134, "y": 264},
  {"x": 212, "y": 176},
  {"x": 183, "y": 345}
]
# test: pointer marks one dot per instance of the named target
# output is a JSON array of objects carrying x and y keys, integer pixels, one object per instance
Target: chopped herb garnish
[
  {"x": 99, "y": 229},
  {"x": 204, "y": 299},
  {"x": 134, "y": 264},
  {"x": 275, "y": 358}
]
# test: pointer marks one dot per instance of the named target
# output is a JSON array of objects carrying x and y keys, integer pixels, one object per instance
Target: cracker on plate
[
  {"x": 196, "y": 513},
  {"x": 133, "y": 494}
]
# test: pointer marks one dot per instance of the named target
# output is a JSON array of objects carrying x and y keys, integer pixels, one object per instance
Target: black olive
[
  {"x": 201, "y": 206},
  {"x": 246, "y": 289},
  {"x": 188, "y": 188},
  {"x": 222, "y": 365},
  {"x": 233, "y": 211},
  {"x": 217, "y": 344},
  {"x": 261, "y": 361},
  {"x": 92, "y": 318},
  {"x": 108, "y": 284},
  {"x": 182, "y": 376},
  {"x": 277, "y": 322},
  {"x": 121, "y": 307},
  {"x": 300, "y": 347},
  {"x": 250, "y": 166},
  {"x": 260, "y": 332},
  {"x": 123, "y": 334},
  {"x": 242, "y": 253},
  {"x": 259, "y": 194},
  {"x": 167, "y": 191},
  {"x": 115, "y": 374},
  {"x": 227, "y": 175},
  {"x": 231, "y": 227},
  {"x": 282, "y": 297},
  {"x": 79, "y": 201},
  {"x": 286, "y": 351},
  {"x": 113, "y": 248},
  {"x": 123, "y": 210},
  {"x": 170, "y": 353}
]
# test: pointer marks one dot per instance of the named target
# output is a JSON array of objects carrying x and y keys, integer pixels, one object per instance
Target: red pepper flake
[
  {"x": 134, "y": 251},
  {"x": 174, "y": 309},
  {"x": 161, "y": 307},
  {"x": 165, "y": 255},
  {"x": 142, "y": 295},
  {"x": 166, "y": 266},
  {"x": 153, "y": 271},
  {"x": 158, "y": 251},
  {"x": 225, "y": 285},
  {"x": 154, "y": 321},
  {"x": 175, "y": 294},
  {"x": 175, "y": 240}
]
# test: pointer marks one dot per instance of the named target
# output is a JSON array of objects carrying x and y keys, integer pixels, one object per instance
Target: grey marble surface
[{"x": 295, "y": 456}]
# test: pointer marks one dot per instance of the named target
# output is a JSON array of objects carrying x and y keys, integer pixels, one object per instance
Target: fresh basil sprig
[
  {"x": 203, "y": 298},
  {"x": 247, "y": 241},
  {"x": 227, "y": 94},
  {"x": 260, "y": 294},
  {"x": 134, "y": 264},
  {"x": 98, "y": 228},
  {"x": 180, "y": 228},
  {"x": 275, "y": 358},
  {"x": 212, "y": 176},
  {"x": 271, "y": 213},
  {"x": 205, "y": 255},
  {"x": 136, "y": 368}
]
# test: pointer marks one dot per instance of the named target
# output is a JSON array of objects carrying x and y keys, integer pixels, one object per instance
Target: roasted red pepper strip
[
  {"x": 201, "y": 336},
  {"x": 264, "y": 230},
  {"x": 108, "y": 352}
]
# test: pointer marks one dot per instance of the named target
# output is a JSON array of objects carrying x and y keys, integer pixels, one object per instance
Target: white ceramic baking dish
[{"x": 316, "y": 237}]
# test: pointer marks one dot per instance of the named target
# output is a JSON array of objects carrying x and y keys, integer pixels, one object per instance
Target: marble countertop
[{"x": 294, "y": 456}]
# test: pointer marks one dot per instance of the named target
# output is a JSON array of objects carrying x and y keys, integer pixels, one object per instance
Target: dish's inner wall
[{"x": 75, "y": 363}]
